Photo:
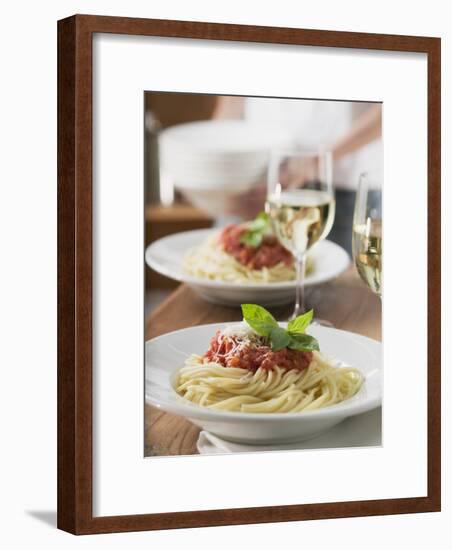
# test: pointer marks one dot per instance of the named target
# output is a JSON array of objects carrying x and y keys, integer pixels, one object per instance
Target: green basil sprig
[
  {"x": 294, "y": 337},
  {"x": 256, "y": 230}
]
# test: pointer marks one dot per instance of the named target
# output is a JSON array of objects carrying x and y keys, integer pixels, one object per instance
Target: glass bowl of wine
[{"x": 301, "y": 205}]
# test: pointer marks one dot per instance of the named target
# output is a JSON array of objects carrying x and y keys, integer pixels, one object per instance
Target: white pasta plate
[
  {"x": 166, "y": 255},
  {"x": 166, "y": 354}
]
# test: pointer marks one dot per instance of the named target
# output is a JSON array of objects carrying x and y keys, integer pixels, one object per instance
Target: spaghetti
[
  {"x": 285, "y": 381},
  {"x": 211, "y": 261}
]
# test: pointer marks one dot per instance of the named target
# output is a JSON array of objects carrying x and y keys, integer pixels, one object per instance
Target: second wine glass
[
  {"x": 367, "y": 231},
  {"x": 301, "y": 206}
]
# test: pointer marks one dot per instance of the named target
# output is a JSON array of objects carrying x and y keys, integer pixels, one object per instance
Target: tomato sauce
[
  {"x": 227, "y": 351},
  {"x": 268, "y": 254}
]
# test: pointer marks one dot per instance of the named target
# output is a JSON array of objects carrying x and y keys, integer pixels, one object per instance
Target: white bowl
[
  {"x": 166, "y": 257},
  {"x": 166, "y": 354},
  {"x": 222, "y": 138},
  {"x": 227, "y": 156}
]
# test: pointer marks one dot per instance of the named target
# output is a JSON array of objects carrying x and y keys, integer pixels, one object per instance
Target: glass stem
[{"x": 299, "y": 295}]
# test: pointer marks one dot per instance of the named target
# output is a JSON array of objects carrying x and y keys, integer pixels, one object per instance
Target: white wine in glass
[
  {"x": 301, "y": 206},
  {"x": 301, "y": 217},
  {"x": 367, "y": 232}
]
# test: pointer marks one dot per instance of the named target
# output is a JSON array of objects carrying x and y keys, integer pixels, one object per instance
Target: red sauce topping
[
  {"x": 225, "y": 350},
  {"x": 268, "y": 254}
]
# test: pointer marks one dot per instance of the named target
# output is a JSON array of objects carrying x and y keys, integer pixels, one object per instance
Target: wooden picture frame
[{"x": 75, "y": 225}]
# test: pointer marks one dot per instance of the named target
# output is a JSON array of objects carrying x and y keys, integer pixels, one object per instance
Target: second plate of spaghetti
[
  {"x": 263, "y": 388},
  {"x": 195, "y": 257}
]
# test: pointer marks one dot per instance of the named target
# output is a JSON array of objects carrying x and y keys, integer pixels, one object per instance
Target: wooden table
[{"x": 345, "y": 301}]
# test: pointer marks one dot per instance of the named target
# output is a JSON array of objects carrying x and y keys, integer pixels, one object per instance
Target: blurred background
[
  {"x": 167, "y": 211},
  {"x": 206, "y": 159}
]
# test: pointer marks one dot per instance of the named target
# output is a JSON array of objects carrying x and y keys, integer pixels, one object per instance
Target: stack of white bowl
[{"x": 211, "y": 162}]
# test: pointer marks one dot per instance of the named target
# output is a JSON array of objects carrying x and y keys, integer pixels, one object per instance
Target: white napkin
[{"x": 363, "y": 430}]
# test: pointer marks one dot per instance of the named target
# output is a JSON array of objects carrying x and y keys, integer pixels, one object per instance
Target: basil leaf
[
  {"x": 279, "y": 338},
  {"x": 259, "y": 319},
  {"x": 252, "y": 239},
  {"x": 264, "y": 324},
  {"x": 300, "y": 324},
  {"x": 303, "y": 342},
  {"x": 257, "y": 225},
  {"x": 255, "y": 230}
]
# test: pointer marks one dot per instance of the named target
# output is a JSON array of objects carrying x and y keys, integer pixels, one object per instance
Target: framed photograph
[{"x": 231, "y": 349}]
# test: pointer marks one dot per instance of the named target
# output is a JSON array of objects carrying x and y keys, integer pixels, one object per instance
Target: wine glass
[
  {"x": 301, "y": 205},
  {"x": 367, "y": 231}
]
